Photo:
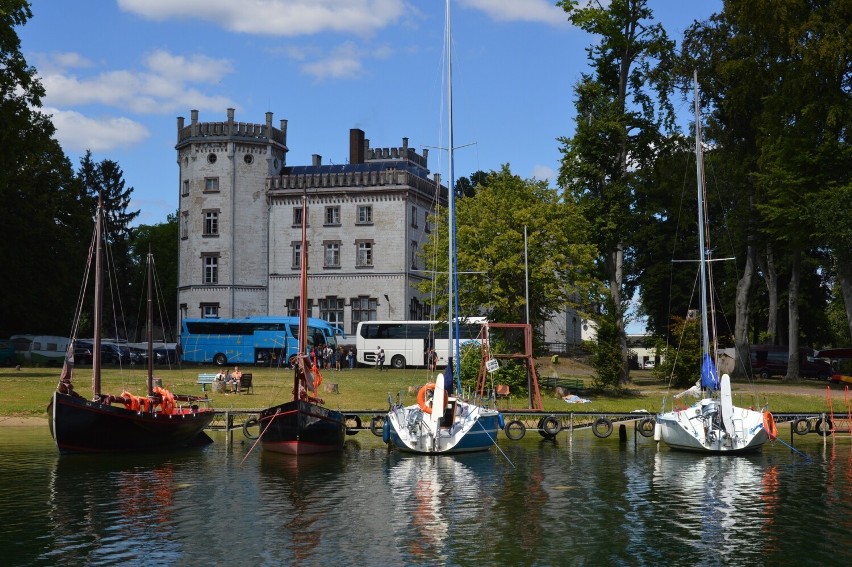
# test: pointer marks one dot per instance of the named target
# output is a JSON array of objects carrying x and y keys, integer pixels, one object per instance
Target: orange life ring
[
  {"x": 421, "y": 397},
  {"x": 769, "y": 425}
]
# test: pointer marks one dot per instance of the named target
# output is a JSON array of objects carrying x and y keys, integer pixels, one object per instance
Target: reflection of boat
[
  {"x": 106, "y": 423},
  {"x": 455, "y": 425},
  {"x": 433, "y": 494},
  {"x": 713, "y": 423},
  {"x": 303, "y": 425}
]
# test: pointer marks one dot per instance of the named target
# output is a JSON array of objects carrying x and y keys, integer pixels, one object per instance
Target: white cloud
[
  {"x": 163, "y": 88},
  {"x": 342, "y": 63},
  {"x": 278, "y": 17},
  {"x": 544, "y": 173},
  {"x": 541, "y": 11},
  {"x": 77, "y": 132}
]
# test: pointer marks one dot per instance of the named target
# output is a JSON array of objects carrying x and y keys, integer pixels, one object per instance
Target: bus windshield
[{"x": 251, "y": 340}]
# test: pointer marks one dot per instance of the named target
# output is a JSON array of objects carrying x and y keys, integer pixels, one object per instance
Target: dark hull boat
[
  {"x": 300, "y": 427},
  {"x": 303, "y": 426},
  {"x": 79, "y": 425},
  {"x": 156, "y": 421}
]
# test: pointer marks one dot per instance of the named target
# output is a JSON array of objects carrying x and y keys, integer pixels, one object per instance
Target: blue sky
[{"x": 119, "y": 72}]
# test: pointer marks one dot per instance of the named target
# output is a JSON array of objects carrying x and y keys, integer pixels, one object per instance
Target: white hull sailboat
[
  {"x": 713, "y": 424},
  {"x": 441, "y": 422}
]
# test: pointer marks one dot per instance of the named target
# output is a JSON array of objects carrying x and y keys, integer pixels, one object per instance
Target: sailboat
[
  {"x": 440, "y": 422},
  {"x": 304, "y": 425},
  {"x": 106, "y": 423},
  {"x": 713, "y": 424}
]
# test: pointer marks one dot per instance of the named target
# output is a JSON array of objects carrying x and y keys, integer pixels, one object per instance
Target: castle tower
[{"x": 223, "y": 250}]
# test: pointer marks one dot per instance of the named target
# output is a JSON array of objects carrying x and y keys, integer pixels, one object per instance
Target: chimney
[
  {"x": 316, "y": 160},
  {"x": 356, "y": 145}
]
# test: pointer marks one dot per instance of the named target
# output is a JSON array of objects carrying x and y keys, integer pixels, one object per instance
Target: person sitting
[{"x": 236, "y": 375}]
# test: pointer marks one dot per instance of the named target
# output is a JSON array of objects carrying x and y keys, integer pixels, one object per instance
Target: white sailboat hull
[
  {"x": 694, "y": 429},
  {"x": 473, "y": 428}
]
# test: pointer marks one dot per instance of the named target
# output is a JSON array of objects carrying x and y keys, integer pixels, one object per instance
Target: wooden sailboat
[
  {"x": 304, "y": 425},
  {"x": 106, "y": 423},
  {"x": 713, "y": 424},
  {"x": 441, "y": 422}
]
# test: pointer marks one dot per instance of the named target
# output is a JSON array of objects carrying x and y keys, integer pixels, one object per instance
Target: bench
[
  {"x": 502, "y": 391},
  {"x": 245, "y": 383},
  {"x": 204, "y": 380},
  {"x": 574, "y": 385}
]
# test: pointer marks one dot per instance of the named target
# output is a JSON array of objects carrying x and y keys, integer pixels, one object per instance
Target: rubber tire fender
[
  {"x": 823, "y": 427},
  {"x": 602, "y": 428},
  {"x": 646, "y": 427},
  {"x": 550, "y": 426},
  {"x": 377, "y": 424},
  {"x": 353, "y": 424},
  {"x": 802, "y": 426},
  {"x": 515, "y": 430},
  {"x": 251, "y": 422}
]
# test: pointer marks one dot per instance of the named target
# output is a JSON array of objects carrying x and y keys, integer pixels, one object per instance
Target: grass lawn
[{"x": 26, "y": 392}]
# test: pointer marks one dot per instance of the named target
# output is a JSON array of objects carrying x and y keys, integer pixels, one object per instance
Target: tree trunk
[
  {"x": 793, "y": 312},
  {"x": 743, "y": 306},
  {"x": 844, "y": 272},
  {"x": 770, "y": 276},
  {"x": 615, "y": 267}
]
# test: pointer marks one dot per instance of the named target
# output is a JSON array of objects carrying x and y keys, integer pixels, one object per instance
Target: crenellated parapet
[{"x": 231, "y": 129}]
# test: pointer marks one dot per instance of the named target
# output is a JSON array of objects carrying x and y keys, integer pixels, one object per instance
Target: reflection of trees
[{"x": 102, "y": 508}]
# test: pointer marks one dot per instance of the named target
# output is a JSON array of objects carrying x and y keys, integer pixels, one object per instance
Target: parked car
[
  {"x": 162, "y": 355},
  {"x": 111, "y": 353},
  {"x": 769, "y": 360}
]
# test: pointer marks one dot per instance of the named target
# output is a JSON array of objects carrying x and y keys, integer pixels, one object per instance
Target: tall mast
[
  {"x": 702, "y": 225},
  {"x": 303, "y": 282},
  {"x": 150, "y": 318},
  {"x": 453, "y": 304},
  {"x": 99, "y": 297}
]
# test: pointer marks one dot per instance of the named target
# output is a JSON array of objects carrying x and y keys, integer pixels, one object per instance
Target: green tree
[
  {"x": 105, "y": 179},
  {"x": 490, "y": 243},
  {"x": 45, "y": 214},
  {"x": 622, "y": 108},
  {"x": 162, "y": 240},
  {"x": 606, "y": 347}
]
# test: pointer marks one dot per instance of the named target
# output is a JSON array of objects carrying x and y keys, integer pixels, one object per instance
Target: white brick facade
[{"x": 237, "y": 213}]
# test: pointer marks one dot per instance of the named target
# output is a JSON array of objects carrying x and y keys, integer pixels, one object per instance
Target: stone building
[{"x": 240, "y": 225}]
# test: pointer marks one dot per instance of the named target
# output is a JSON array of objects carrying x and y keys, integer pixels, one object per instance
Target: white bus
[{"x": 405, "y": 342}]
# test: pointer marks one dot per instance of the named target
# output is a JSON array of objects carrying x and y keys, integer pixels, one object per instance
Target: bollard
[{"x": 622, "y": 433}]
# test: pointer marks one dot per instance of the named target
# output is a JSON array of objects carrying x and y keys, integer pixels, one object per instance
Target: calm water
[{"x": 586, "y": 502}]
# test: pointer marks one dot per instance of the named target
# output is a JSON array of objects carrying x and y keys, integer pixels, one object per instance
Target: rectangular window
[
  {"x": 293, "y": 307},
  {"x": 365, "y": 214},
  {"x": 297, "y": 255},
  {"x": 184, "y": 225},
  {"x": 297, "y": 216},
  {"x": 185, "y": 190},
  {"x": 210, "y": 310},
  {"x": 332, "y": 253},
  {"x": 364, "y": 251},
  {"x": 413, "y": 252},
  {"x": 414, "y": 216},
  {"x": 211, "y": 269},
  {"x": 331, "y": 309},
  {"x": 332, "y": 215},
  {"x": 363, "y": 309},
  {"x": 426, "y": 226},
  {"x": 211, "y": 184},
  {"x": 211, "y": 223}
]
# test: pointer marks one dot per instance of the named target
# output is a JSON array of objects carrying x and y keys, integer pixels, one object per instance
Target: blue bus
[{"x": 251, "y": 340}]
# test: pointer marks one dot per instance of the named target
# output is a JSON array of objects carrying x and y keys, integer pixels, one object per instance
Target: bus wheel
[
  {"x": 398, "y": 361},
  {"x": 220, "y": 359}
]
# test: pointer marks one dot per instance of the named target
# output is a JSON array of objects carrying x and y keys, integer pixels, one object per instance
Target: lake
[{"x": 580, "y": 501}]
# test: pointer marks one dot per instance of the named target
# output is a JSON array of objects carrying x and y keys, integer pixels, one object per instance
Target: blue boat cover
[{"x": 709, "y": 376}]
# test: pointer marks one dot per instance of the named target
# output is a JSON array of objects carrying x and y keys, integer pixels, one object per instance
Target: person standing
[
  {"x": 351, "y": 358},
  {"x": 380, "y": 358}
]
